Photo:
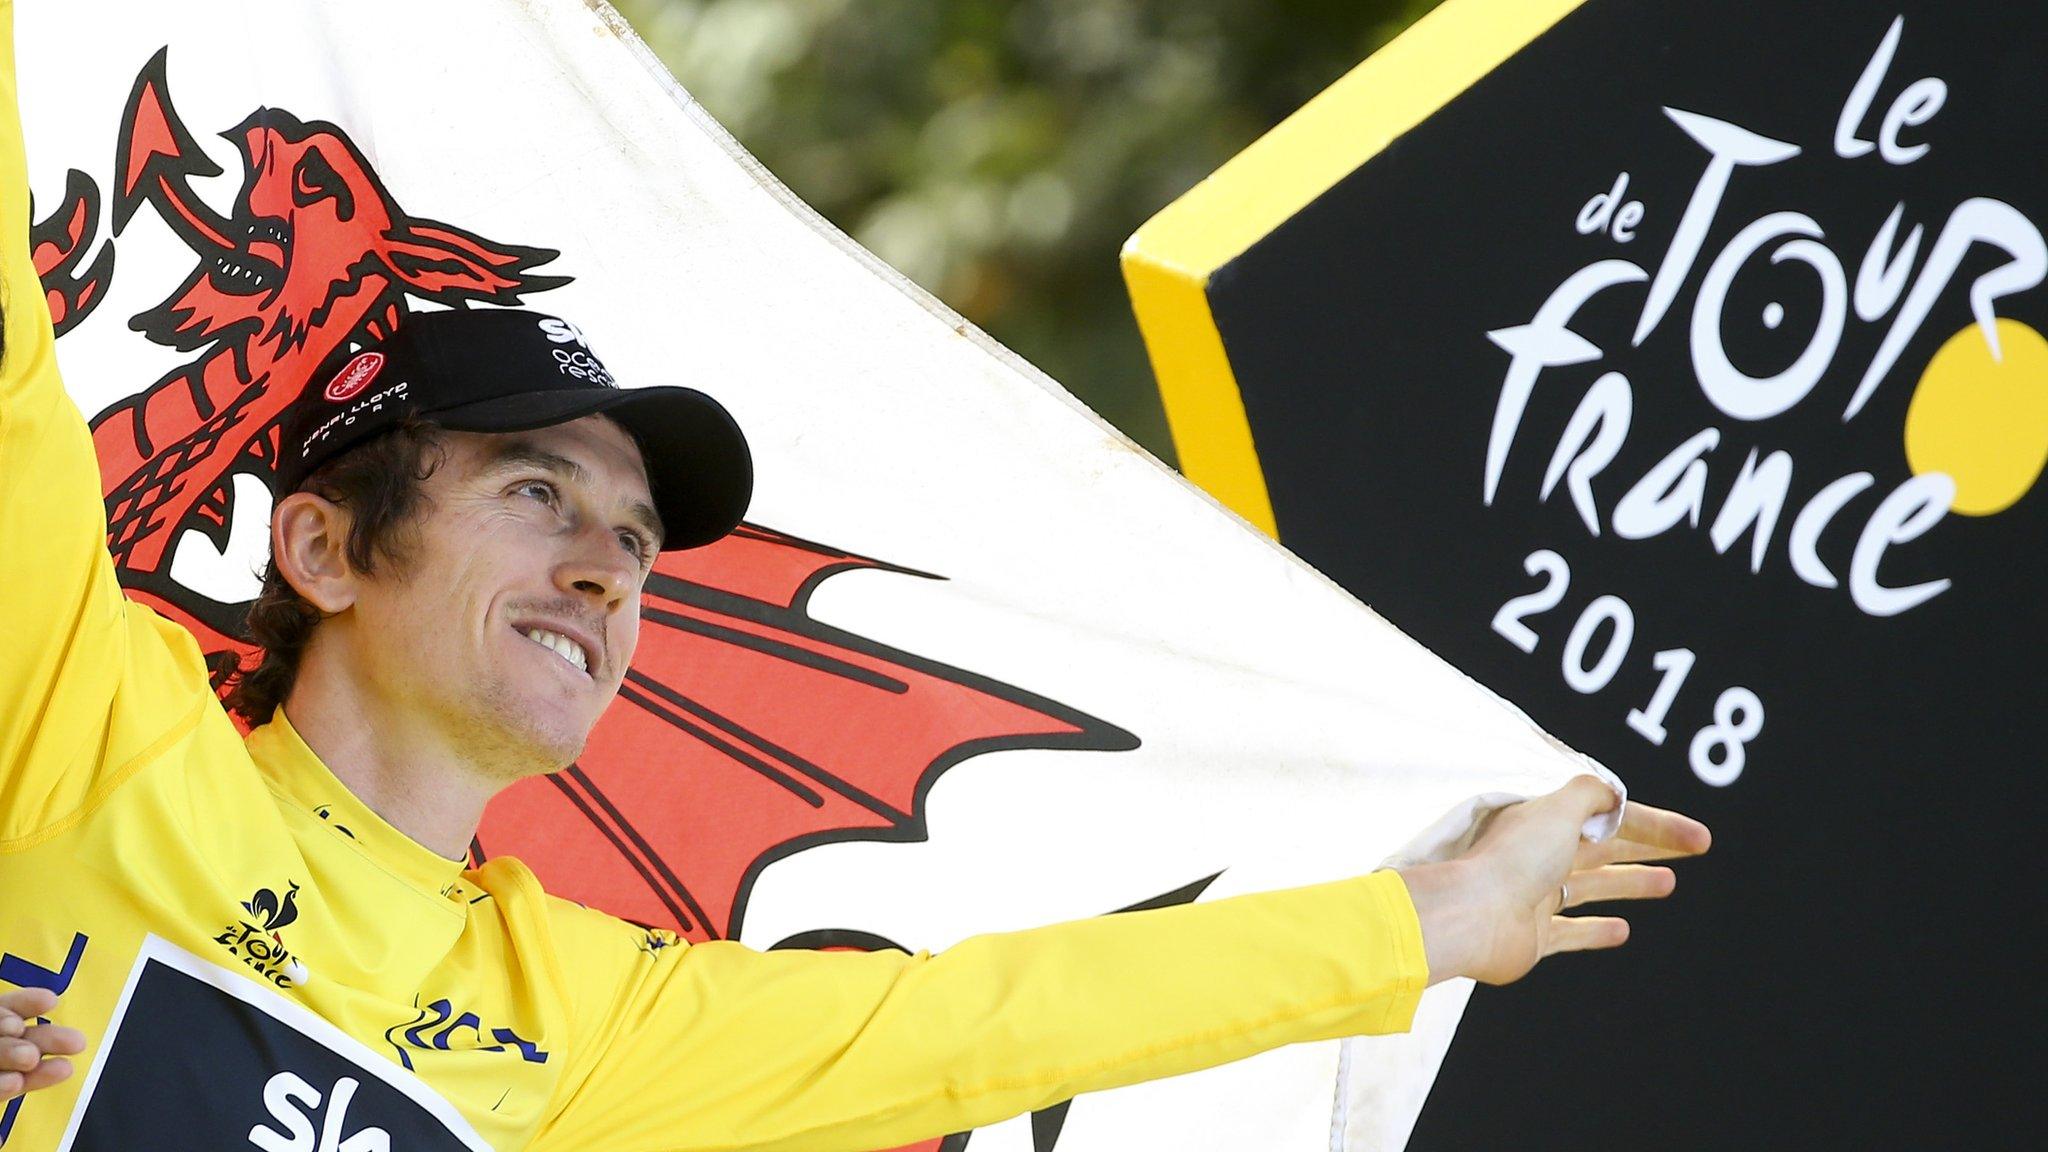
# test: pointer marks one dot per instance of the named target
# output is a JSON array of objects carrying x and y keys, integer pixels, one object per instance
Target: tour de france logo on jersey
[{"x": 258, "y": 940}]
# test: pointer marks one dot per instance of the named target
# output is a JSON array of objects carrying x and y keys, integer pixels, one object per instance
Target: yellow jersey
[{"x": 261, "y": 961}]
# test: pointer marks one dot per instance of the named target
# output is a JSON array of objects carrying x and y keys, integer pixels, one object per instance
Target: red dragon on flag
[{"x": 747, "y": 730}]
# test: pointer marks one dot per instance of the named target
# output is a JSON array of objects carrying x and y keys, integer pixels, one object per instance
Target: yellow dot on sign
[{"x": 1983, "y": 420}]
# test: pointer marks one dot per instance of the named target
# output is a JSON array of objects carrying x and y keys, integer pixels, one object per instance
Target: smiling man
[
  {"x": 478, "y": 486},
  {"x": 273, "y": 938}
]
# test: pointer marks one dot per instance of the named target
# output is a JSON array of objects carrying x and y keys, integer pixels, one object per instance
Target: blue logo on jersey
[{"x": 438, "y": 1027}]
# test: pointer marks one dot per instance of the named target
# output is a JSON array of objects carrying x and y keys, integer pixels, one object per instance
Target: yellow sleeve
[
  {"x": 68, "y": 641},
  {"x": 716, "y": 1046}
]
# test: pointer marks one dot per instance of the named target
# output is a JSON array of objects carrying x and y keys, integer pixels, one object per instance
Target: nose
[{"x": 597, "y": 568}]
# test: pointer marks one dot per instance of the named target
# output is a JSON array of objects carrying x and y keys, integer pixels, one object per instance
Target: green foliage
[{"x": 999, "y": 153}]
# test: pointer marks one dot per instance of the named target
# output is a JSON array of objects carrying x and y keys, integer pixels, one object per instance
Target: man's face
[{"x": 515, "y": 613}]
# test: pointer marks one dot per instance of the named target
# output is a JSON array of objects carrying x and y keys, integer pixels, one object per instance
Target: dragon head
[
  {"x": 315, "y": 255},
  {"x": 313, "y": 245}
]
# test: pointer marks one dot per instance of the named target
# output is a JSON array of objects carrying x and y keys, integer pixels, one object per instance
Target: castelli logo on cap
[{"x": 356, "y": 376}]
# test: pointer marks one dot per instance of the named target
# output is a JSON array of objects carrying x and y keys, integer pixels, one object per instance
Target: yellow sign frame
[{"x": 1168, "y": 263}]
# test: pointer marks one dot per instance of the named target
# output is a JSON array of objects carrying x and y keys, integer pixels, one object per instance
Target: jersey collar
[{"x": 297, "y": 776}]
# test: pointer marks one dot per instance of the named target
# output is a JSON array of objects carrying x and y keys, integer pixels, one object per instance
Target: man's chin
[
  {"x": 533, "y": 728},
  {"x": 555, "y": 751},
  {"x": 536, "y": 742}
]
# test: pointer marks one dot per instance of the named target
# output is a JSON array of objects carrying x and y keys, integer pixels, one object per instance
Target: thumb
[{"x": 1587, "y": 797}]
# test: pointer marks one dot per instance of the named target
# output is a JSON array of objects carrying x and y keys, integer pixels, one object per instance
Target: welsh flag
[{"x": 976, "y": 663}]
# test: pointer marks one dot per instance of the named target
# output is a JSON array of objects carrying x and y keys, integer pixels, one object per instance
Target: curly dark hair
[{"x": 381, "y": 483}]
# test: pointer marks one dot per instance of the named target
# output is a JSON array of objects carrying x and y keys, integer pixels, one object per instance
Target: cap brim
[{"x": 699, "y": 469}]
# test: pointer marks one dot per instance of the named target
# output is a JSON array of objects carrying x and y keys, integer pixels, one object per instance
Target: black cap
[{"x": 510, "y": 370}]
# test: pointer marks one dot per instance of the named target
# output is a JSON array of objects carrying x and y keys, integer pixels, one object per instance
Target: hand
[
  {"x": 31, "y": 1054},
  {"x": 1492, "y": 913}
]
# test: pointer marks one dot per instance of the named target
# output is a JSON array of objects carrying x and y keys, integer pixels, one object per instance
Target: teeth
[
  {"x": 562, "y": 646},
  {"x": 237, "y": 271}
]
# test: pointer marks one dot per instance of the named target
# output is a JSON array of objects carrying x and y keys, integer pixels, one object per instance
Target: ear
[{"x": 308, "y": 537}]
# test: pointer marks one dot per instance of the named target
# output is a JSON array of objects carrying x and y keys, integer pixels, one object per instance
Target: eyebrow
[{"x": 508, "y": 454}]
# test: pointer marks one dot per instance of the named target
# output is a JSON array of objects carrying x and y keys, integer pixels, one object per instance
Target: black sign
[
  {"x": 201, "y": 1060},
  {"x": 1683, "y": 380}
]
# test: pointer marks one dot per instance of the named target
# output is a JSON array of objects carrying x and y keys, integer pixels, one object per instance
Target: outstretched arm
[{"x": 715, "y": 1046}]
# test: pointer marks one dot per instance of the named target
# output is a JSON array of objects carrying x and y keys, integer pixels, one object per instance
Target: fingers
[
  {"x": 32, "y": 1056},
  {"x": 1618, "y": 851},
  {"x": 56, "y": 1040},
  {"x": 1619, "y": 882},
  {"x": 55, "y": 1070},
  {"x": 1660, "y": 829},
  {"x": 1647, "y": 833},
  {"x": 18, "y": 1006},
  {"x": 1584, "y": 934},
  {"x": 1588, "y": 795},
  {"x": 28, "y": 1001},
  {"x": 1617, "y": 868},
  {"x": 1569, "y": 807},
  {"x": 1594, "y": 886},
  {"x": 19, "y": 1055}
]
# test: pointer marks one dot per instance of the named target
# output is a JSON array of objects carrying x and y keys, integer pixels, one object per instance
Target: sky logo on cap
[
  {"x": 355, "y": 377},
  {"x": 578, "y": 363},
  {"x": 562, "y": 332}
]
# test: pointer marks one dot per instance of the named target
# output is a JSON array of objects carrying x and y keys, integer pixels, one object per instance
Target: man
[{"x": 275, "y": 942}]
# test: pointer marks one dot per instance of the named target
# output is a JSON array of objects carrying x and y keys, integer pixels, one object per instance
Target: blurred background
[{"x": 998, "y": 152}]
